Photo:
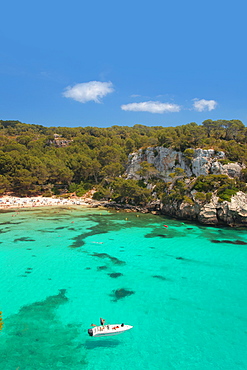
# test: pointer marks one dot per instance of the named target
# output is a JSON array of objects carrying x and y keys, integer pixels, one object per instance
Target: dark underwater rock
[
  {"x": 238, "y": 242},
  {"x": 160, "y": 277},
  {"x": 115, "y": 275},
  {"x": 24, "y": 239},
  {"x": 115, "y": 260},
  {"x": 121, "y": 293},
  {"x": 102, "y": 267}
]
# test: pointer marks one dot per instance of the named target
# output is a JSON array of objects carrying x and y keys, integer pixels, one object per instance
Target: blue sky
[{"x": 104, "y": 63}]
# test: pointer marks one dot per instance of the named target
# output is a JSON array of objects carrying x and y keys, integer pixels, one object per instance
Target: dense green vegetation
[
  {"x": 38, "y": 160},
  {"x": 223, "y": 186}
]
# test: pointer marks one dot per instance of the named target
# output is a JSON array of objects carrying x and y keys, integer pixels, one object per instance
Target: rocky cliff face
[
  {"x": 165, "y": 160},
  {"x": 232, "y": 213},
  {"x": 201, "y": 162}
]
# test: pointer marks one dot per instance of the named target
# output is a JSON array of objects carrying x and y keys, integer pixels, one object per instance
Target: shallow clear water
[{"x": 63, "y": 269}]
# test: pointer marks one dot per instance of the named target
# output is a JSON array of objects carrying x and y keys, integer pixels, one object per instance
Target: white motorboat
[{"x": 106, "y": 330}]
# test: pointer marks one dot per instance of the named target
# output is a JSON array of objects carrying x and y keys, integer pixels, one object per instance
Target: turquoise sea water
[{"x": 182, "y": 287}]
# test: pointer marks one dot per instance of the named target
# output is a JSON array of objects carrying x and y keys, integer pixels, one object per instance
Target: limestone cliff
[
  {"x": 194, "y": 163},
  {"x": 165, "y": 160},
  {"x": 233, "y": 213}
]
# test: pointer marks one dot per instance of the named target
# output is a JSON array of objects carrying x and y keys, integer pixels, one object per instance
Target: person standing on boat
[{"x": 102, "y": 322}]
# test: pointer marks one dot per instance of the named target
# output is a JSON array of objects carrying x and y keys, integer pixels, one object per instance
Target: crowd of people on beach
[{"x": 19, "y": 202}]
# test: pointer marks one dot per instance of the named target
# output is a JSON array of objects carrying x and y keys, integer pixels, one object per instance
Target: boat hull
[{"x": 108, "y": 330}]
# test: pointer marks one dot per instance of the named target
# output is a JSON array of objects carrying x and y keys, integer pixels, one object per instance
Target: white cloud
[
  {"x": 152, "y": 107},
  {"x": 204, "y": 105},
  {"x": 87, "y": 91}
]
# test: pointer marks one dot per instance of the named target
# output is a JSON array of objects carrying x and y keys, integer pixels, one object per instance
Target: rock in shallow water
[{"x": 121, "y": 293}]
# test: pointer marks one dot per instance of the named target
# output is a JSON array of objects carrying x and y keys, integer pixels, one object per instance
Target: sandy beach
[{"x": 7, "y": 202}]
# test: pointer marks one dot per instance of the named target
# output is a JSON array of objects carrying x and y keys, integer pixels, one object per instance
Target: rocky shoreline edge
[{"x": 215, "y": 213}]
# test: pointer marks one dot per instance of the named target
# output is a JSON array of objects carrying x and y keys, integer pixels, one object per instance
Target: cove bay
[{"x": 182, "y": 287}]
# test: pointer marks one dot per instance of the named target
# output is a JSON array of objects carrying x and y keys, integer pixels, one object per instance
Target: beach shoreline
[{"x": 13, "y": 202}]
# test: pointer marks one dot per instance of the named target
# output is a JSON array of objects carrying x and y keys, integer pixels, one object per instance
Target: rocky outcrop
[
  {"x": 165, "y": 160},
  {"x": 194, "y": 163},
  {"x": 215, "y": 213},
  {"x": 232, "y": 213}
]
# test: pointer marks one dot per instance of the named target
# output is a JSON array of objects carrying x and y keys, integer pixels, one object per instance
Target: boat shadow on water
[{"x": 100, "y": 343}]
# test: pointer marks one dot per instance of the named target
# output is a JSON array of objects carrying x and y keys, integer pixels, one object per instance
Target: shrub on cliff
[
  {"x": 189, "y": 154},
  {"x": 212, "y": 182},
  {"x": 225, "y": 193},
  {"x": 188, "y": 200},
  {"x": 208, "y": 196},
  {"x": 178, "y": 172},
  {"x": 147, "y": 170},
  {"x": 201, "y": 197},
  {"x": 243, "y": 174}
]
